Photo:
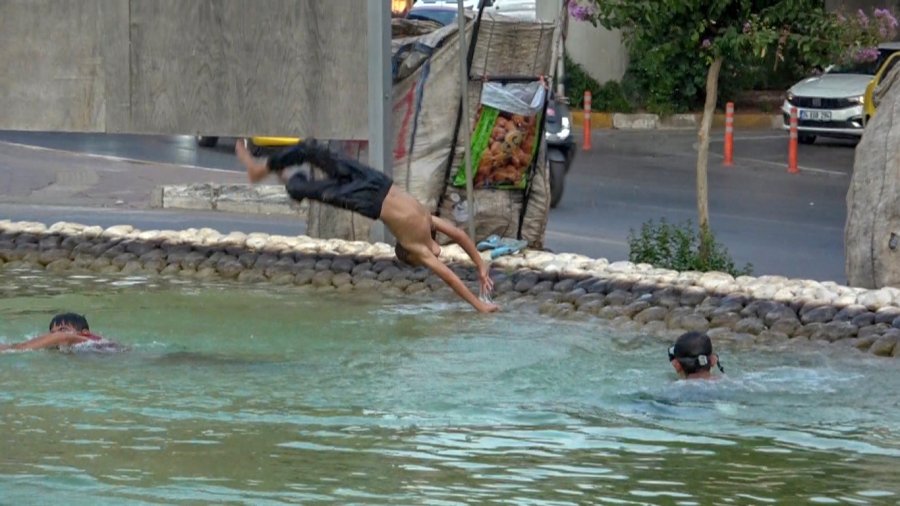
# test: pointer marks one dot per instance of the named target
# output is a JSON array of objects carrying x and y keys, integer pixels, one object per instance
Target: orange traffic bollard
[
  {"x": 792, "y": 144},
  {"x": 586, "y": 127},
  {"x": 729, "y": 134}
]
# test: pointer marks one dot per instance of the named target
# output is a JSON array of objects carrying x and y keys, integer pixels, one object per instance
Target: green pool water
[{"x": 232, "y": 394}]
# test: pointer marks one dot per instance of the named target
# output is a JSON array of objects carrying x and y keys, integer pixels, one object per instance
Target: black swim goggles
[{"x": 702, "y": 360}]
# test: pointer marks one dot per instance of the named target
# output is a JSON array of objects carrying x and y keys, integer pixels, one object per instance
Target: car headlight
[
  {"x": 789, "y": 97},
  {"x": 565, "y": 123},
  {"x": 860, "y": 99}
]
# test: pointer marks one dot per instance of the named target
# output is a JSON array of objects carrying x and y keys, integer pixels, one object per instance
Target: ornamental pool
[{"x": 237, "y": 394}]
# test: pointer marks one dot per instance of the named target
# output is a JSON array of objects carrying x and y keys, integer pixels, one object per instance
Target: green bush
[
  {"x": 678, "y": 247},
  {"x": 608, "y": 97}
]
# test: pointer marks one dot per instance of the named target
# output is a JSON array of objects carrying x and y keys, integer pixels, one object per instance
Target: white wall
[{"x": 598, "y": 50}]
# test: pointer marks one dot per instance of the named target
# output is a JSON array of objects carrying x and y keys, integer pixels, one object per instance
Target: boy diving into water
[{"x": 351, "y": 185}]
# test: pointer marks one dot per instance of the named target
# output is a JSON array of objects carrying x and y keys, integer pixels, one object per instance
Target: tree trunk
[{"x": 712, "y": 83}]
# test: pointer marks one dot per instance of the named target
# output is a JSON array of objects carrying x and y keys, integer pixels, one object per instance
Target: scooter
[{"x": 561, "y": 147}]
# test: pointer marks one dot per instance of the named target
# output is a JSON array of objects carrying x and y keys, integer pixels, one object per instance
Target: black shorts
[{"x": 349, "y": 184}]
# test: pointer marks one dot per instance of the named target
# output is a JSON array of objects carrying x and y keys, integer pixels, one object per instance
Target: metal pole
[
  {"x": 466, "y": 123},
  {"x": 380, "y": 131}
]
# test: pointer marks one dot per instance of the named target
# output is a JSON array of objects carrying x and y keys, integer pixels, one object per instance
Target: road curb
[
  {"x": 643, "y": 121},
  {"x": 234, "y": 198}
]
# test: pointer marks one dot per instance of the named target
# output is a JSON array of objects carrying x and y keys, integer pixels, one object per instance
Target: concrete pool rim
[{"x": 750, "y": 311}]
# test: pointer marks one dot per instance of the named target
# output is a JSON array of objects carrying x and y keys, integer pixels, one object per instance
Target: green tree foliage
[
  {"x": 671, "y": 43},
  {"x": 608, "y": 97}
]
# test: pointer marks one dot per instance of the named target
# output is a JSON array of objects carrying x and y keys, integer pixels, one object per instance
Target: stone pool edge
[{"x": 765, "y": 310}]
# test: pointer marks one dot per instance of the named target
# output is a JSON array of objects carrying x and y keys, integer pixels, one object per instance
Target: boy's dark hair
[
  {"x": 693, "y": 350},
  {"x": 77, "y": 321}
]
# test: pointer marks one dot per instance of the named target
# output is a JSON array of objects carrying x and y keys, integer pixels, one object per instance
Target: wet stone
[
  {"x": 694, "y": 321},
  {"x": 382, "y": 265},
  {"x": 865, "y": 343},
  {"x": 750, "y": 325},
  {"x": 388, "y": 273},
  {"x": 808, "y": 329},
  {"x": 818, "y": 315},
  {"x": 836, "y": 330},
  {"x": 541, "y": 287},
  {"x": 304, "y": 277},
  {"x": 603, "y": 286},
  {"x": 574, "y": 296},
  {"x": 771, "y": 337},
  {"x": 651, "y": 314},
  {"x": 247, "y": 259},
  {"x": 788, "y": 325},
  {"x": 592, "y": 307},
  {"x": 622, "y": 285},
  {"x": 401, "y": 283},
  {"x": 727, "y": 320},
  {"x": 122, "y": 259},
  {"x": 192, "y": 260},
  {"x": 343, "y": 265},
  {"x": 779, "y": 312},
  {"x": 419, "y": 274},
  {"x": 264, "y": 261},
  {"x": 132, "y": 266},
  {"x": 884, "y": 346},
  {"x": 303, "y": 262},
  {"x": 322, "y": 278},
  {"x": 156, "y": 254},
  {"x": 887, "y": 314},
  {"x": 864, "y": 319},
  {"x": 49, "y": 242},
  {"x": 229, "y": 267},
  {"x": 153, "y": 266},
  {"x": 59, "y": 265},
  {"x": 565, "y": 286},
  {"x": 848, "y": 313},
  {"x": 434, "y": 282},
  {"x": 618, "y": 298},
  {"x": 417, "y": 287},
  {"x": 114, "y": 251},
  {"x": 526, "y": 282},
  {"x": 52, "y": 255},
  {"x": 341, "y": 279},
  {"x": 635, "y": 308},
  {"x": 362, "y": 267},
  {"x": 692, "y": 296},
  {"x": 366, "y": 284},
  {"x": 873, "y": 330},
  {"x": 610, "y": 312}
]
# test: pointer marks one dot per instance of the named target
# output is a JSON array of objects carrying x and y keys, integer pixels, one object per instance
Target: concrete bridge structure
[{"x": 217, "y": 67}]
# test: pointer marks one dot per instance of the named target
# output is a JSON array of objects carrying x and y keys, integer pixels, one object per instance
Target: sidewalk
[{"x": 620, "y": 121}]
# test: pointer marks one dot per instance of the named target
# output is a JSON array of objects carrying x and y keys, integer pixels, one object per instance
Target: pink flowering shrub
[
  {"x": 581, "y": 10},
  {"x": 863, "y": 33}
]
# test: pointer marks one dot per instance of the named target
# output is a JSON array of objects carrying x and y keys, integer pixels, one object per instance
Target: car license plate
[{"x": 816, "y": 115}]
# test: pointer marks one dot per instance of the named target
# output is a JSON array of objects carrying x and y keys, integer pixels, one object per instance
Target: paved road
[{"x": 781, "y": 223}]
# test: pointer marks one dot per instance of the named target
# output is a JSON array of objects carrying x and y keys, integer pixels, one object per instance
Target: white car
[
  {"x": 834, "y": 103},
  {"x": 831, "y": 104}
]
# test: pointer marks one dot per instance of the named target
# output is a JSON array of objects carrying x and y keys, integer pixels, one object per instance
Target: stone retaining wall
[{"x": 746, "y": 310}]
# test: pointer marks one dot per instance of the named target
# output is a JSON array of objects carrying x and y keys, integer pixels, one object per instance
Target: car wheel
[
  {"x": 806, "y": 138},
  {"x": 207, "y": 142},
  {"x": 557, "y": 182}
]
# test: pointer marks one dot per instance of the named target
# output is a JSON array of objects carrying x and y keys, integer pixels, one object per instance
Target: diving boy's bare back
[{"x": 360, "y": 189}]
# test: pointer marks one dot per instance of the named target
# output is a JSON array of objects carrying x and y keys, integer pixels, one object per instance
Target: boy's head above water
[
  {"x": 69, "y": 322},
  {"x": 692, "y": 355}
]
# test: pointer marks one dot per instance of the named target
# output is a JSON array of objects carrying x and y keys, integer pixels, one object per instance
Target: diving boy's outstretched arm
[
  {"x": 459, "y": 237},
  {"x": 51, "y": 340}
]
